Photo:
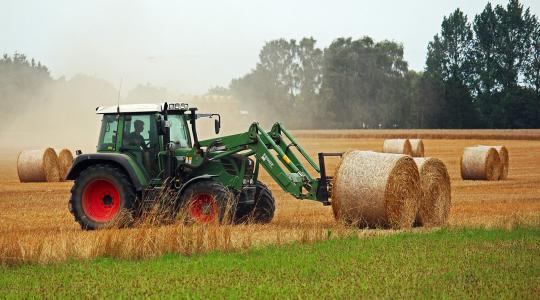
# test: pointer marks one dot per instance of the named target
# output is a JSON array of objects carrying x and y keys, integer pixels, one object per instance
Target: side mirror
[{"x": 217, "y": 125}]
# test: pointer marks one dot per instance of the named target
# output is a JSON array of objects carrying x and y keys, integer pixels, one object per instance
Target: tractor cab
[{"x": 145, "y": 132}]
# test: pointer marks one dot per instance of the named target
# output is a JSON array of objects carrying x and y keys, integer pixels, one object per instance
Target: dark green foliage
[
  {"x": 365, "y": 82},
  {"x": 484, "y": 74},
  {"x": 532, "y": 65},
  {"x": 485, "y": 26},
  {"x": 285, "y": 83},
  {"x": 450, "y": 66},
  {"x": 352, "y": 83},
  {"x": 490, "y": 79}
]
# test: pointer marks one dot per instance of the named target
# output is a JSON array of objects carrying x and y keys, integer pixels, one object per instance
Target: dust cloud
[{"x": 62, "y": 114}]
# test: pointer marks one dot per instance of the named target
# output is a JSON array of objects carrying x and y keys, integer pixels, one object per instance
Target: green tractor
[{"x": 144, "y": 149}]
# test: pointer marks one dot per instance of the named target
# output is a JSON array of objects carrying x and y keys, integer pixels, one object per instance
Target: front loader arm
[{"x": 275, "y": 155}]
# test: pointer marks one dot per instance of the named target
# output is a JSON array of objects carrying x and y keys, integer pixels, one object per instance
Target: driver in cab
[{"x": 135, "y": 138}]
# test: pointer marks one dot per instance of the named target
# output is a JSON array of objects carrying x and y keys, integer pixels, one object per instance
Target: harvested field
[
  {"x": 447, "y": 134},
  {"x": 35, "y": 224}
]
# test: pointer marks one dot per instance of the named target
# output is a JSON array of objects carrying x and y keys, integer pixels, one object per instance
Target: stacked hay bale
[
  {"x": 417, "y": 146},
  {"x": 38, "y": 166},
  {"x": 480, "y": 163},
  {"x": 398, "y": 146},
  {"x": 435, "y": 200},
  {"x": 376, "y": 190},
  {"x": 65, "y": 160},
  {"x": 505, "y": 160}
]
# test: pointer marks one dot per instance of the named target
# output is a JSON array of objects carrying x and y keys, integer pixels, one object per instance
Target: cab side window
[{"x": 139, "y": 132}]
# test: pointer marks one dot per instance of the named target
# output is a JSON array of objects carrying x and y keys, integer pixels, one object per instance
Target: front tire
[
  {"x": 262, "y": 211},
  {"x": 207, "y": 202},
  {"x": 102, "y": 196}
]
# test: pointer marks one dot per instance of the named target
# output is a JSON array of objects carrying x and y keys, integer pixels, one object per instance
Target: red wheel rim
[
  {"x": 203, "y": 208},
  {"x": 101, "y": 200}
]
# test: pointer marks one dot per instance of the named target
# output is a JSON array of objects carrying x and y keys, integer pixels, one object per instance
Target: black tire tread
[{"x": 262, "y": 212}]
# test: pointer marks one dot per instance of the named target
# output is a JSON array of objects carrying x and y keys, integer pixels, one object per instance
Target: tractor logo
[{"x": 267, "y": 160}]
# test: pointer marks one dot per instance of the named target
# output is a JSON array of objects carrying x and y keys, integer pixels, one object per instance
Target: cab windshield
[{"x": 179, "y": 132}]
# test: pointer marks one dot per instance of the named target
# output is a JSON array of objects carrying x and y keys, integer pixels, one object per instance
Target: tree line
[
  {"x": 479, "y": 73},
  {"x": 482, "y": 72}
]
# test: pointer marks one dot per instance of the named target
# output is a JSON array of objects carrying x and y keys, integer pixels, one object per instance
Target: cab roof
[
  {"x": 138, "y": 108},
  {"x": 129, "y": 108}
]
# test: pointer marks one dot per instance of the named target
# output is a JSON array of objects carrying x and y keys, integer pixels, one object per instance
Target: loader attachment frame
[{"x": 274, "y": 153}]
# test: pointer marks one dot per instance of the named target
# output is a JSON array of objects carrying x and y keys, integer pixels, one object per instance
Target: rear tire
[
  {"x": 262, "y": 211},
  {"x": 102, "y": 196},
  {"x": 207, "y": 202}
]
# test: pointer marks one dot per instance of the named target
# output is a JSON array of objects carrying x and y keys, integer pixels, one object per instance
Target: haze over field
[{"x": 344, "y": 64}]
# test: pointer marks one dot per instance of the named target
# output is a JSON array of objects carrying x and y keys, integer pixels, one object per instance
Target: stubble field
[{"x": 35, "y": 225}]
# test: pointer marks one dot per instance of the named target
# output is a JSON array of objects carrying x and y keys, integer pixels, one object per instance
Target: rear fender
[{"x": 121, "y": 161}]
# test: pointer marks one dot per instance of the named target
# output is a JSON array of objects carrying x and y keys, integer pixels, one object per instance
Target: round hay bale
[
  {"x": 65, "y": 160},
  {"x": 376, "y": 190},
  {"x": 417, "y": 146},
  {"x": 505, "y": 160},
  {"x": 435, "y": 199},
  {"x": 480, "y": 163},
  {"x": 398, "y": 146},
  {"x": 38, "y": 166}
]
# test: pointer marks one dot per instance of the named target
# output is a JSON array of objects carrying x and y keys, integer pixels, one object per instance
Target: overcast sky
[{"x": 189, "y": 46}]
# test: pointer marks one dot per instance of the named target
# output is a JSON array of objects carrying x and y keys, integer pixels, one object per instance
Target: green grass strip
[{"x": 464, "y": 263}]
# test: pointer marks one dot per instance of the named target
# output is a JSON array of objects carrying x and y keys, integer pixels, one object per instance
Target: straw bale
[
  {"x": 398, "y": 146},
  {"x": 417, "y": 146},
  {"x": 376, "y": 190},
  {"x": 435, "y": 199},
  {"x": 505, "y": 160},
  {"x": 38, "y": 166},
  {"x": 480, "y": 163},
  {"x": 65, "y": 160}
]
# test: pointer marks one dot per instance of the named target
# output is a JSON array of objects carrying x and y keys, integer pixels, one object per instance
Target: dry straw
[
  {"x": 65, "y": 160},
  {"x": 435, "y": 200},
  {"x": 417, "y": 146},
  {"x": 398, "y": 146},
  {"x": 505, "y": 160},
  {"x": 376, "y": 190},
  {"x": 480, "y": 163},
  {"x": 38, "y": 166}
]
